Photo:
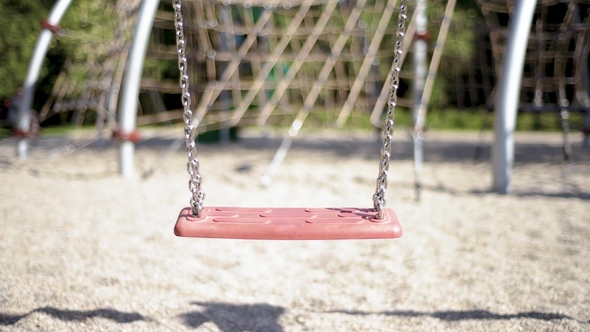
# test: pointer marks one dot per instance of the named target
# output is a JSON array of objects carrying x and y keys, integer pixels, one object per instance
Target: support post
[
  {"x": 423, "y": 87},
  {"x": 586, "y": 123},
  {"x": 131, "y": 84},
  {"x": 50, "y": 26},
  {"x": 419, "y": 57},
  {"x": 506, "y": 102}
]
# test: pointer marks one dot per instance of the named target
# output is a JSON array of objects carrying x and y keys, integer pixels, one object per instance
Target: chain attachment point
[
  {"x": 381, "y": 186},
  {"x": 197, "y": 194}
]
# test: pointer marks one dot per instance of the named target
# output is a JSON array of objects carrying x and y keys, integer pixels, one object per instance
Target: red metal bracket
[
  {"x": 23, "y": 134},
  {"x": 122, "y": 136},
  {"x": 426, "y": 36},
  {"x": 55, "y": 29}
]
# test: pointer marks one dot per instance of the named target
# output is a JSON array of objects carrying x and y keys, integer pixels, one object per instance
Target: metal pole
[
  {"x": 506, "y": 102},
  {"x": 277, "y": 160},
  {"x": 424, "y": 87},
  {"x": 131, "y": 83},
  {"x": 419, "y": 57},
  {"x": 585, "y": 85},
  {"x": 28, "y": 90}
]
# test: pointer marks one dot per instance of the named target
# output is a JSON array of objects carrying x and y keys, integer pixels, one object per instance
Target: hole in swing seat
[{"x": 288, "y": 224}]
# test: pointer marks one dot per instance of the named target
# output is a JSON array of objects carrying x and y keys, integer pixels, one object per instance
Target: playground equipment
[
  {"x": 131, "y": 82},
  {"x": 50, "y": 26},
  {"x": 275, "y": 63},
  {"x": 541, "y": 58},
  {"x": 286, "y": 223},
  {"x": 102, "y": 73},
  {"x": 354, "y": 90},
  {"x": 423, "y": 84},
  {"x": 266, "y": 64}
]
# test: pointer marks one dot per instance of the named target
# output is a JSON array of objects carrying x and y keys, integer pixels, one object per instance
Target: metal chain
[
  {"x": 193, "y": 161},
  {"x": 194, "y": 184},
  {"x": 379, "y": 196}
]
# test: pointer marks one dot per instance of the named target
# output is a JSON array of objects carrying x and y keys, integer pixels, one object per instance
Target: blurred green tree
[
  {"x": 87, "y": 25},
  {"x": 21, "y": 22}
]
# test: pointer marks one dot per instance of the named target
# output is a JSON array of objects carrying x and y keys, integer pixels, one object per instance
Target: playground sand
[{"x": 82, "y": 249}]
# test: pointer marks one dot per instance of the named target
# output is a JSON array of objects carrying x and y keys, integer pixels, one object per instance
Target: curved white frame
[
  {"x": 131, "y": 84},
  {"x": 24, "y": 112},
  {"x": 506, "y": 103},
  {"x": 505, "y": 110}
]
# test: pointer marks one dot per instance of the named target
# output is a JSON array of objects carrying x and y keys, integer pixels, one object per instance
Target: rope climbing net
[{"x": 274, "y": 62}]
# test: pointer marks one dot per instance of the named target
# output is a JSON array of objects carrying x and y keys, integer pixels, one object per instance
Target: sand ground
[{"x": 82, "y": 249}]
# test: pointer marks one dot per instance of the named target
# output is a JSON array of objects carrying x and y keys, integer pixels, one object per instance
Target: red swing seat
[{"x": 288, "y": 223}]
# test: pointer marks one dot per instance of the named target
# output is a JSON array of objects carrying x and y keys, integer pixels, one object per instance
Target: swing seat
[{"x": 288, "y": 224}]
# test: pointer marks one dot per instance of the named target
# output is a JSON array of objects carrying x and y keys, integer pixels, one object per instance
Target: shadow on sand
[
  {"x": 233, "y": 318},
  {"x": 76, "y": 315},
  {"x": 456, "y": 149},
  {"x": 458, "y": 315},
  {"x": 264, "y": 317}
]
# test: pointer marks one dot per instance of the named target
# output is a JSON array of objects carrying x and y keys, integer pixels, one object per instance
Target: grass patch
[
  {"x": 4, "y": 133},
  {"x": 453, "y": 119},
  {"x": 446, "y": 119}
]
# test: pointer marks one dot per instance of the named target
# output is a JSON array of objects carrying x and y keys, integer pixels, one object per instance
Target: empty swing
[{"x": 279, "y": 223}]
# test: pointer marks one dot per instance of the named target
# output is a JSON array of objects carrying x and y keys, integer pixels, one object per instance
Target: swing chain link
[
  {"x": 379, "y": 196},
  {"x": 194, "y": 182},
  {"x": 193, "y": 161}
]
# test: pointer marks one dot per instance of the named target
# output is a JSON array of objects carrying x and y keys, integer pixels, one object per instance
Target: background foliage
[
  {"x": 88, "y": 24},
  {"x": 20, "y": 26}
]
